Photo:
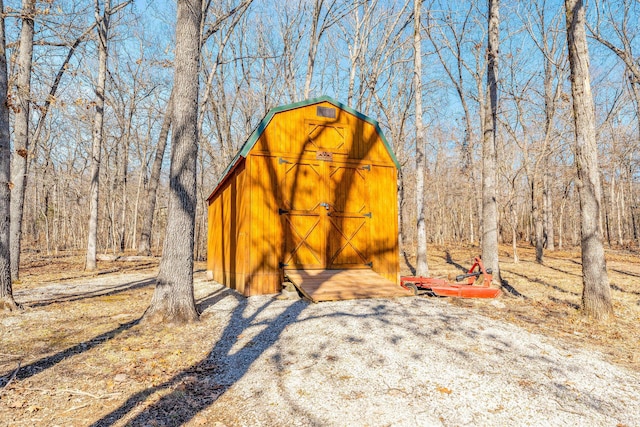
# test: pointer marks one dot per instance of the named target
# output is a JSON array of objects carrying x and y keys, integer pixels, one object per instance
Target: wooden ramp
[{"x": 333, "y": 285}]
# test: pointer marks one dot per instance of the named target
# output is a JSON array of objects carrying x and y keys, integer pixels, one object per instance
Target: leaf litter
[{"x": 78, "y": 355}]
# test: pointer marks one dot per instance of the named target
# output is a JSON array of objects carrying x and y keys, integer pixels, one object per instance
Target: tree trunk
[
  {"x": 619, "y": 210},
  {"x": 514, "y": 233},
  {"x": 489, "y": 155},
  {"x": 635, "y": 90},
  {"x": 144, "y": 246},
  {"x": 173, "y": 299},
  {"x": 136, "y": 206},
  {"x": 401, "y": 239},
  {"x": 471, "y": 225},
  {"x": 538, "y": 228},
  {"x": 548, "y": 209},
  {"x": 125, "y": 173},
  {"x": 96, "y": 146},
  {"x": 354, "y": 51},
  {"x": 6, "y": 292},
  {"x": 422, "y": 268},
  {"x": 596, "y": 293},
  {"x": 21, "y": 133},
  {"x": 551, "y": 97},
  {"x": 313, "y": 47}
]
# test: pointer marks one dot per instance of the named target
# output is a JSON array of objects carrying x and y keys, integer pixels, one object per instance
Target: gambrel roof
[{"x": 257, "y": 132}]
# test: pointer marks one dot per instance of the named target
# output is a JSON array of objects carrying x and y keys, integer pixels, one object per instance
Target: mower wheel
[{"x": 412, "y": 287}]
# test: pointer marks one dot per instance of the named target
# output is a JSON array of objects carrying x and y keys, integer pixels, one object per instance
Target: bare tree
[
  {"x": 290, "y": 17},
  {"x": 378, "y": 41},
  {"x": 34, "y": 140},
  {"x": 173, "y": 299},
  {"x": 96, "y": 150},
  {"x": 363, "y": 20},
  {"x": 544, "y": 33},
  {"x": 144, "y": 246},
  {"x": 489, "y": 152},
  {"x": 102, "y": 24},
  {"x": 596, "y": 293},
  {"x": 233, "y": 16},
  {"x": 621, "y": 23},
  {"x": 21, "y": 132},
  {"x": 422, "y": 267},
  {"x": 6, "y": 292},
  {"x": 323, "y": 17},
  {"x": 448, "y": 37}
]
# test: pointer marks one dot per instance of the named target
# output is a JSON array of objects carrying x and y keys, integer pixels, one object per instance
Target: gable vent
[{"x": 326, "y": 112}]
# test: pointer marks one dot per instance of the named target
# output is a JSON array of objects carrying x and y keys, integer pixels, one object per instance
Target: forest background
[{"x": 257, "y": 55}]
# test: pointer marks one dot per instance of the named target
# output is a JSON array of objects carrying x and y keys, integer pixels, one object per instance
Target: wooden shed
[{"x": 311, "y": 193}]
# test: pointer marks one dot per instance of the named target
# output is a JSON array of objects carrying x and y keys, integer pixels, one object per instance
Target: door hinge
[
  {"x": 366, "y": 167},
  {"x": 282, "y": 211},
  {"x": 282, "y": 265},
  {"x": 369, "y": 264},
  {"x": 281, "y": 161},
  {"x": 368, "y": 215}
]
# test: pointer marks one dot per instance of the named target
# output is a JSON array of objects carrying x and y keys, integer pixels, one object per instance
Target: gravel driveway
[{"x": 402, "y": 362}]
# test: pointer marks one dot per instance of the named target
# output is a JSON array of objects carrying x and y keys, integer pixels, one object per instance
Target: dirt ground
[{"x": 78, "y": 352}]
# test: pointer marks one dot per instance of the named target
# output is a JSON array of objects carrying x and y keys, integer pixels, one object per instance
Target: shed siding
[
  {"x": 384, "y": 235},
  {"x": 228, "y": 229},
  {"x": 265, "y": 247}
]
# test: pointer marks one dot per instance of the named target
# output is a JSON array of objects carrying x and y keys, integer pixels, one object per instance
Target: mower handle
[{"x": 461, "y": 277}]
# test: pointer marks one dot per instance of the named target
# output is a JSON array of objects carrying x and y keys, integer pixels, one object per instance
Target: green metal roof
[{"x": 255, "y": 135}]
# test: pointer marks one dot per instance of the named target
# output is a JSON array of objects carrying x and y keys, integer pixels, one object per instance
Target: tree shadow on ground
[
  {"x": 626, "y": 273},
  {"x": 47, "y": 362},
  {"x": 559, "y": 270},
  {"x": 541, "y": 282},
  {"x": 450, "y": 261},
  {"x": 200, "y": 385},
  {"x": 565, "y": 302},
  {"x": 207, "y": 301},
  {"x": 410, "y": 266},
  {"x": 510, "y": 290},
  {"x": 62, "y": 296},
  {"x": 619, "y": 289}
]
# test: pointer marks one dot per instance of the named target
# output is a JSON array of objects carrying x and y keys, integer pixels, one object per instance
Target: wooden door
[
  {"x": 325, "y": 214},
  {"x": 349, "y": 217},
  {"x": 302, "y": 190}
]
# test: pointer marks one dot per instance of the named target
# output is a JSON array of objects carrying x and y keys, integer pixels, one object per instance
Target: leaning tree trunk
[
  {"x": 173, "y": 299},
  {"x": 96, "y": 147},
  {"x": 144, "y": 246},
  {"x": 489, "y": 154},
  {"x": 422, "y": 268},
  {"x": 596, "y": 293},
  {"x": 21, "y": 133},
  {"x": 313, "y": 47},
  {"x": 6, "y": 291}
]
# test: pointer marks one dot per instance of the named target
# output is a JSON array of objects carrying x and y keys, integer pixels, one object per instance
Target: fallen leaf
[{"x": 443, "y": 390}]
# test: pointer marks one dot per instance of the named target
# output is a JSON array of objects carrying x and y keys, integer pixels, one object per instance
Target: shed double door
[{"x": 325, "y": 213}]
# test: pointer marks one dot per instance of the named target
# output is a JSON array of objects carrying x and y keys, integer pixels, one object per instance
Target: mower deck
[{"x": 469, "y": 288}]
